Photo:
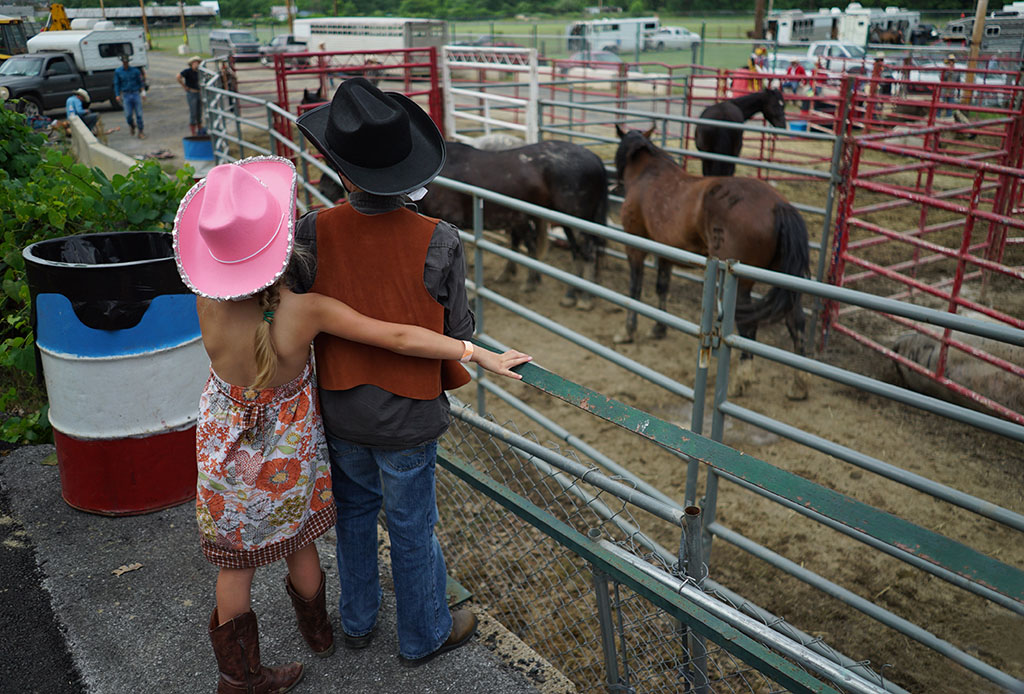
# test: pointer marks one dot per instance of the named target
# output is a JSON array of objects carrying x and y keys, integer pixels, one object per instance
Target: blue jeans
[
  {"x": 132, "y": 109},
  {"x": 195, "y": 108},
  {"x": 403, "y": 480}
]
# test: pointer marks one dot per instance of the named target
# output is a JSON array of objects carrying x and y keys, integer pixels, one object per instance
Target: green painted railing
[
  {"x": 884, "y": 527},
  {"x": 711, "y": 627}
]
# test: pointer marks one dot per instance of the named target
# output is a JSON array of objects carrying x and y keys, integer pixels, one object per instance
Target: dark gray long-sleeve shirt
[{"x": 368, "y": 415}]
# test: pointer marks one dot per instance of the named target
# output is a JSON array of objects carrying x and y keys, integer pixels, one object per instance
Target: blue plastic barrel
[{"x": 198, "y": 147}]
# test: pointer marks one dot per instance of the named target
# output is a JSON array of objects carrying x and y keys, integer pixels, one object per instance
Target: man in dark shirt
[
  {"x": 189, "y": 80},
  {"x": 382, "y": 444}
]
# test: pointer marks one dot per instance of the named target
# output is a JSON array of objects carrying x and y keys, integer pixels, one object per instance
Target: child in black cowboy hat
[{"x": 383, "y": 413}]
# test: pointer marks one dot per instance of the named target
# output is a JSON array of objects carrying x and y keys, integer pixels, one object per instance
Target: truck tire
[{"x": 30, "y": 106}]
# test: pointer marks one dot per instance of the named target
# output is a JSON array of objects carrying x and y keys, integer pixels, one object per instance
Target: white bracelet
[{"x": 468, "y": 353}]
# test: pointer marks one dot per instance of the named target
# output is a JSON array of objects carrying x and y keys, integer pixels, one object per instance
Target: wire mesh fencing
[{"x": 600, "y": 632}]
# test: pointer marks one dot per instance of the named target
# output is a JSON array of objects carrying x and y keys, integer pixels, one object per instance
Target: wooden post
[
  {"x": 184, "y": 30},
  {"x": 291, "y": 16},
  {"x": 975, "y": 48},
  {"x": 145, "y": 26}
]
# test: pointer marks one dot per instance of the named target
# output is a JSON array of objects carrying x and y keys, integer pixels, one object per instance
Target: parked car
[
  {"x": 672, "y": 38},
  {"x": 240, "y": 43},
  {"x": 925, "y": 73},
  {"x": 284, "y": 43}
]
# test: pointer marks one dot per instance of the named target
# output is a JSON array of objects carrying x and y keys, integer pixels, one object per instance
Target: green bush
[{"x": 45, "y": 193}]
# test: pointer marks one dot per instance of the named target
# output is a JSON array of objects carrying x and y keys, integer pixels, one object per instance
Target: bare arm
[{"x": 331, "y": 316}]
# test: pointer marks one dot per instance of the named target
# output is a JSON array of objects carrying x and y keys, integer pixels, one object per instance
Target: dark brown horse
[
  {"x": 554, "y": 174},
  {"x": 720, "y": 140},
  {"x": 730, "y": 217}
]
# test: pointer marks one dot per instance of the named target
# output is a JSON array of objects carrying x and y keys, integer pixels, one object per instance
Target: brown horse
[{"x": 723, "y": 217}]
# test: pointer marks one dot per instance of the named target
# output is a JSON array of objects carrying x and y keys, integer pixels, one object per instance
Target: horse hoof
[
  {"x": 797, "y": 389},
  {"x": 528, "y": 287},
  {"x": 585, "y": 304},
  {"x": 736, "y": 389},
  {"x": 567, "y": 301},
  {"x": 623, "y": 338},
  {"x": 657, "y": 331}
]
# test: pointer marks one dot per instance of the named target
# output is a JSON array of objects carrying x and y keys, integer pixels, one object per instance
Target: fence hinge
[{"x": 709, "y": 340}]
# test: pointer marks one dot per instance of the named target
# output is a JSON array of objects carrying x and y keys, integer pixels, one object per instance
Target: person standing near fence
[
  {"x": 383, "y": 413},
  {"x": 129, "y": 82},
  {"x": 189, "y": 80}
]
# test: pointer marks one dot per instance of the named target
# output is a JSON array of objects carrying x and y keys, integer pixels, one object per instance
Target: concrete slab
[{"x": 145, "y": 629}]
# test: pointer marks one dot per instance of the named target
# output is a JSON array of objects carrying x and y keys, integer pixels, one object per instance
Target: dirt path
[{"x": 164, "y": 112}]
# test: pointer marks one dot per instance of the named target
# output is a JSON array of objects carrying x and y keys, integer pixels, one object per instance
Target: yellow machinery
[
  {"x": 12, "y": 37},
  {"x": 58, "y": 19}
]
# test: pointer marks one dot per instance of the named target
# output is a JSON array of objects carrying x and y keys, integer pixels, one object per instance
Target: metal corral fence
[{"x": 632, "y": 608}]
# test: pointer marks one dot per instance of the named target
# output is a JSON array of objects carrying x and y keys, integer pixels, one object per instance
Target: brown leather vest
[{"x": 374, "y": 263}]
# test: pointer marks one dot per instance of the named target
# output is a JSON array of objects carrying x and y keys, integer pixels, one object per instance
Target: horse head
[
  {"x": 313, "y": 97},
  {"x": 630, "y": 143},
  {"x": 774, "y": 107}
]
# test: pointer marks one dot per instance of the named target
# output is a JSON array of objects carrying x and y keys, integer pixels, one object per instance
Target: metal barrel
[{"x": 118, "y": 342}]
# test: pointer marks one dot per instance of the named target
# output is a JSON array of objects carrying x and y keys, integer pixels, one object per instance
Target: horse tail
[{"x": 791, "y": 257}]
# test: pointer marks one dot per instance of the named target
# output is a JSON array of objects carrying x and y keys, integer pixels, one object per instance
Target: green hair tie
[{"x": 268, "y": 316}]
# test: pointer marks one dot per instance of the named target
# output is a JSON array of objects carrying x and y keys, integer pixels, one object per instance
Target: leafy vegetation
[{"x": 45, "y": 193}]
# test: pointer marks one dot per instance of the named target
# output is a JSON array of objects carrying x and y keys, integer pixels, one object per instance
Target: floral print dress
[{"x": 264, "y": 488}]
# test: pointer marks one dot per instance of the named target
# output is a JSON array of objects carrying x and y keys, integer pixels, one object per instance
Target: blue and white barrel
[{"x": 119, "y": 345}]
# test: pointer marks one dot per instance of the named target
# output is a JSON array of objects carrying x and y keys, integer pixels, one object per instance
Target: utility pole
[
  {"x": 291, "y": 17},
  {"x": 103, "y": 10}
]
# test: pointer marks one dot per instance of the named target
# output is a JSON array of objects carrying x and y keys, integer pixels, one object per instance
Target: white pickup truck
[{"x": 834, "y": 56}]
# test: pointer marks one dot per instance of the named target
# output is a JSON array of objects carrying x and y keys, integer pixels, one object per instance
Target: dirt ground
[
  {"x": 964, "y": 458},
  {"x": 982, "y": 464}
]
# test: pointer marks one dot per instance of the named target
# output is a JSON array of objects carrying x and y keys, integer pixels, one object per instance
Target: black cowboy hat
[{"x": 384, "y": 143}]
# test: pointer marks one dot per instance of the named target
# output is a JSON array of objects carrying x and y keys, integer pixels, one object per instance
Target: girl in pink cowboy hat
[{"x": 264, "y": 489}]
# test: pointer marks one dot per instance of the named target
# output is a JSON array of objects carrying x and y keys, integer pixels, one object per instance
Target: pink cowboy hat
[{"x": 233, "y": 231}]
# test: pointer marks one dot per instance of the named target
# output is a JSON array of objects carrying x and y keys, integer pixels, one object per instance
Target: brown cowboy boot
[
  {"x": 237, "y": 646},
  {"x": 314, "y": 624}
]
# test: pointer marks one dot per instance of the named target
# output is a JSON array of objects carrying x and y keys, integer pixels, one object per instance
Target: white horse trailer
[
  {"x": 863, "y": 25},
  {"x": 797, "y": 26},
  {"x": 370, "y": 33},
  {"x": 614, "y": 35}
]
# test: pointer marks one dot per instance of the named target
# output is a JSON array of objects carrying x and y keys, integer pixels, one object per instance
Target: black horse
[
  {"x": 711, "y": 138},
  {"x": 557, "y": 175}
]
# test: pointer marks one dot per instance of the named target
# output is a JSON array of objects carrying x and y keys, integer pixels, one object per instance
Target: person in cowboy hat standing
[
  {"x": 129, "y": 83},
  {"x": 383, "y": 413},
  {"x": 189, "y": 81},
  {"x": 264, "y": 484}
]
